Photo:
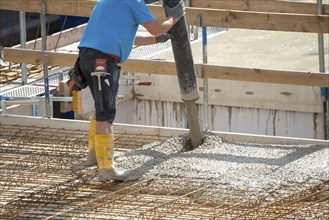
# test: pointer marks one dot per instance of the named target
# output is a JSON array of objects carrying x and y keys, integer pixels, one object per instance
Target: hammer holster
[{"x": 100, "y": 71}]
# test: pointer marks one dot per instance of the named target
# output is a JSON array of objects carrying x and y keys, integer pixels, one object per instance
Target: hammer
[{"x": 99, "y": 92}]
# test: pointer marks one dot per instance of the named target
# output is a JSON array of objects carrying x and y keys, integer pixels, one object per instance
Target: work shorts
[{"x": 104, "y": 100}]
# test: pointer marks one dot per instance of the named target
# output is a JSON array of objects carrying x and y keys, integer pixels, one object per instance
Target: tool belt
[{"x": 76, "y": 82}]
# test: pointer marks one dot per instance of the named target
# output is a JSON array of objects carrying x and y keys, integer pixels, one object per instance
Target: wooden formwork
[
  {"x": 255, "y": 14},
  {"x": 260, "y": 15}
]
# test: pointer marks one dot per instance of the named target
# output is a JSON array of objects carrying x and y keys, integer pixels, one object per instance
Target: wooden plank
[
  {"x": 168, "y": 68},
  {"x": 259, "y": 20},
  {"x": 263, "y": 6},
  {"x": 37, "y": 57},
  {"x": 238, "y": 94},
  {"x": 84, "y": 7},
  {"x": 57, "y": 40},
  {"x": 65, "y": 91},
  {"x": 59, "y": 7},
  {"x": 209, "y": 17},
  {"x": 265, "y": 75},
  {"x": 149, "y": 66}
]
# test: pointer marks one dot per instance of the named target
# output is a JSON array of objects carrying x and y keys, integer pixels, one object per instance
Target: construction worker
[{"x": 106, "y": 41}]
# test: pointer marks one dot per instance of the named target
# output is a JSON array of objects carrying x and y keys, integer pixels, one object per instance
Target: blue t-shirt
[{"x": 113, "y": 25}]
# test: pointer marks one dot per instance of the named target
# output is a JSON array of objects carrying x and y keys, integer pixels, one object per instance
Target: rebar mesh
[{"x": 43, "y": 176}]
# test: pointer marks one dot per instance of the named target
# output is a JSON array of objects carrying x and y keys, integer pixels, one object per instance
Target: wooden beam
[
  {"x": 59, "y": 7},
  {"x": 37, "y": 57},
  {"x": 209, "y": 17},
  {"x": 84, "y": 7},
  {"x": 259, "y": 20},
  {"x": 149, "y": 66},
  {"x": 265, "y": 75},
  {"x": 65, "y": 91},
  {"x": 262, "y": 6},
  {"x": 169, "y": 68},
  {"x": 57, "y": 40},
  {"x": 234, "y": 93}
]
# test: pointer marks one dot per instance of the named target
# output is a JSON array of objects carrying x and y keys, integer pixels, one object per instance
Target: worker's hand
[
  {"x": 177, "y": 12},
  {"x": 162, "y": 38}
]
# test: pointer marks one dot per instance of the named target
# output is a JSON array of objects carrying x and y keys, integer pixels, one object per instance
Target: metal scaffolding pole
[
  {"x": 45, "y": 65},
  {"x": 205, "y": 80},
  {"x": 324, "y": 91},
  {"x": 22, "y": 26}
]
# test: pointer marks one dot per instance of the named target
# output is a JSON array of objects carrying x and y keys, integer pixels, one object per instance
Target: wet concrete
[{"x": 244, "y": 165}]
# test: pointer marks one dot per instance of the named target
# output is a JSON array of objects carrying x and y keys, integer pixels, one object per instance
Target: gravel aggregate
[{"x": 236, "y": 164}]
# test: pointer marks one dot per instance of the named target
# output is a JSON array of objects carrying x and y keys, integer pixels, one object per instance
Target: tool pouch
[{"x": 76, "y": 82}]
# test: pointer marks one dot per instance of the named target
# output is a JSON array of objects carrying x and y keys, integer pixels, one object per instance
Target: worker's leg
[
  {"x": 105, "y": 110},
  {"x": 87, "y": 65},
  {"x": 104, "y": 140},
  {"x": 104, "y": 127}
]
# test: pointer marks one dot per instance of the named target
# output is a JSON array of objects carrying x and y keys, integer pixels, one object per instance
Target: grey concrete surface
[
  {"x": 261, "y": 49},
  {"x": 242, "y": 165}
]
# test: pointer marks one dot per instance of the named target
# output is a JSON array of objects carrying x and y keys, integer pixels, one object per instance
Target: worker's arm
[
  {"x": 158, "y": 27},
  {"x": 174, "y": 14},
  {"x": 142, "y": 39}
]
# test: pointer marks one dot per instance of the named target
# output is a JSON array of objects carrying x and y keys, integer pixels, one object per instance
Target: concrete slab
[{"x": 261, "y": 49}]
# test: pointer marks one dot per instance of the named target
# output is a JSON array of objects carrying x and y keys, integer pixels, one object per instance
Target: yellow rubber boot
[
  {"x": 104, "y": 153},
  {"x": 91, "y": 157}
]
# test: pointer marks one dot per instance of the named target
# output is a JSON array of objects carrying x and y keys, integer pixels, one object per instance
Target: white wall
[{"x": 224, "y": 118}]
